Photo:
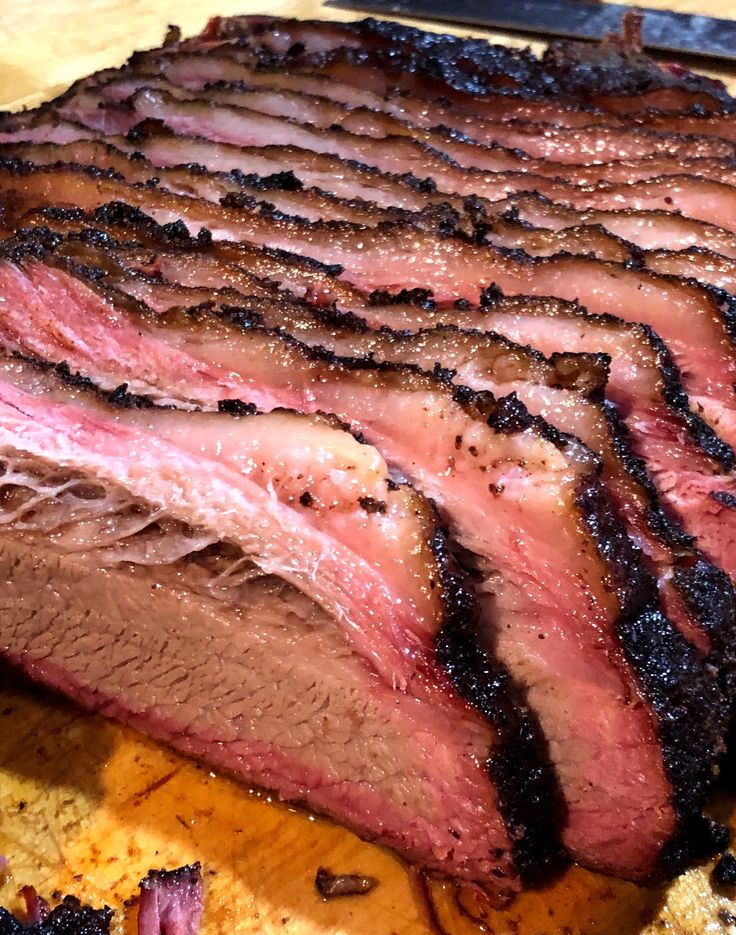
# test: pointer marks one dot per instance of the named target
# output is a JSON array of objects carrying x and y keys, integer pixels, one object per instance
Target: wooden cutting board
[{"x": 88, "y": 807}]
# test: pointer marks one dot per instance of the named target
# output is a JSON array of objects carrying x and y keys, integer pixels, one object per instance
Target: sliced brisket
[{"x": 533, "y": 494}]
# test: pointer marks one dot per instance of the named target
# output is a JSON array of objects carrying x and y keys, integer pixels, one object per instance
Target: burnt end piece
[{"x": 331, "y": 885}]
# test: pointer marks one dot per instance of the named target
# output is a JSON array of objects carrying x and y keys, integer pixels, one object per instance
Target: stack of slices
[{"x": 367, "y": 429}]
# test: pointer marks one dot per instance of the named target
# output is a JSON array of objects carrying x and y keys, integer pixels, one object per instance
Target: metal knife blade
[{"x": 663, "y": 30}]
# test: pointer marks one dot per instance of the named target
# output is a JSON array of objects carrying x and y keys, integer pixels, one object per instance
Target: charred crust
[
  {"x": 191, "y": 873},
  {"x": 70, "y": 917},
  {"x": 724, "y": 872},
  {"x": 421, "y": 298},
  {"x": 236, "y": 407},
  {"x": 710, "y": 595},
  {"x": 490, "y": 296},
  {"x": 280, "y": 181},
  {"x": 724, "y": 498},
  {"x": 371, "y": 505}
]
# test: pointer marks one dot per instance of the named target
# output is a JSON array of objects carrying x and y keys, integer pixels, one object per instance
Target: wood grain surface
[{"x": 88, "y": 807}]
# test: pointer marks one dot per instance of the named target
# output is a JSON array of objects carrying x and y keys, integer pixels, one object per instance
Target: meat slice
[
  {"x": 695, "y": 263},
  {"x": 558, "y": 391},
  {"x": 320, "y": 78},
  {"x": 347, "y": 84},
  {"x": 198, "y": 637},
  {"x": 507, "y": 488},
  {"x": 343, "y": 177},
  {"x": 281, "y": 191},
  {"x": 593, "y": 240},
  {"x": 470, "y": 70},
  {"x": 41, "y": 126},
  {"x": 691, "y": 469},
  {"x": 455, "y": 165},
  {"x": 650, "y": 230},
  {"x": 171, "y": 901}
]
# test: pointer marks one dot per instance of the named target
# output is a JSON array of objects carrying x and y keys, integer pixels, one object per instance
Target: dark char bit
[
  {"x": 371, "y": 505},
  {"x": 724, "y": 872}
]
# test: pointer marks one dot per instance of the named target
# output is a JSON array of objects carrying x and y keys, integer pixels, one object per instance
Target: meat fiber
[{"x": 256, "y": 363}]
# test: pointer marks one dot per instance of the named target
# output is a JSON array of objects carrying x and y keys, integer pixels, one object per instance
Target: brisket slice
[
  {"x": 433, "y": 65},
  {"x": 591, "y": 239},
  {"x": 695, "y": 263},
  {"x": 692, "y": 471},
  {"x": 650, "y": 230},
  {"x": 566, "y": 391},
  {"x": 282, "y": 192},
  {"x": 397, "y": 256},
  {"x": 509, "y": 488},
  {"x": 220, "y": 77},
  {"x": 559, "y": 391},
  {"x": 171, "y": 609}
]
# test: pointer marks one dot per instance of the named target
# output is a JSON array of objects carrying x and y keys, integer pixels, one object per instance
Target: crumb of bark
[{"x": 331, "y": 885}]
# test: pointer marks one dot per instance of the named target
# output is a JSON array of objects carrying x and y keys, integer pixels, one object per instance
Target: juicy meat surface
[{"x": 691, "y": 468}]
